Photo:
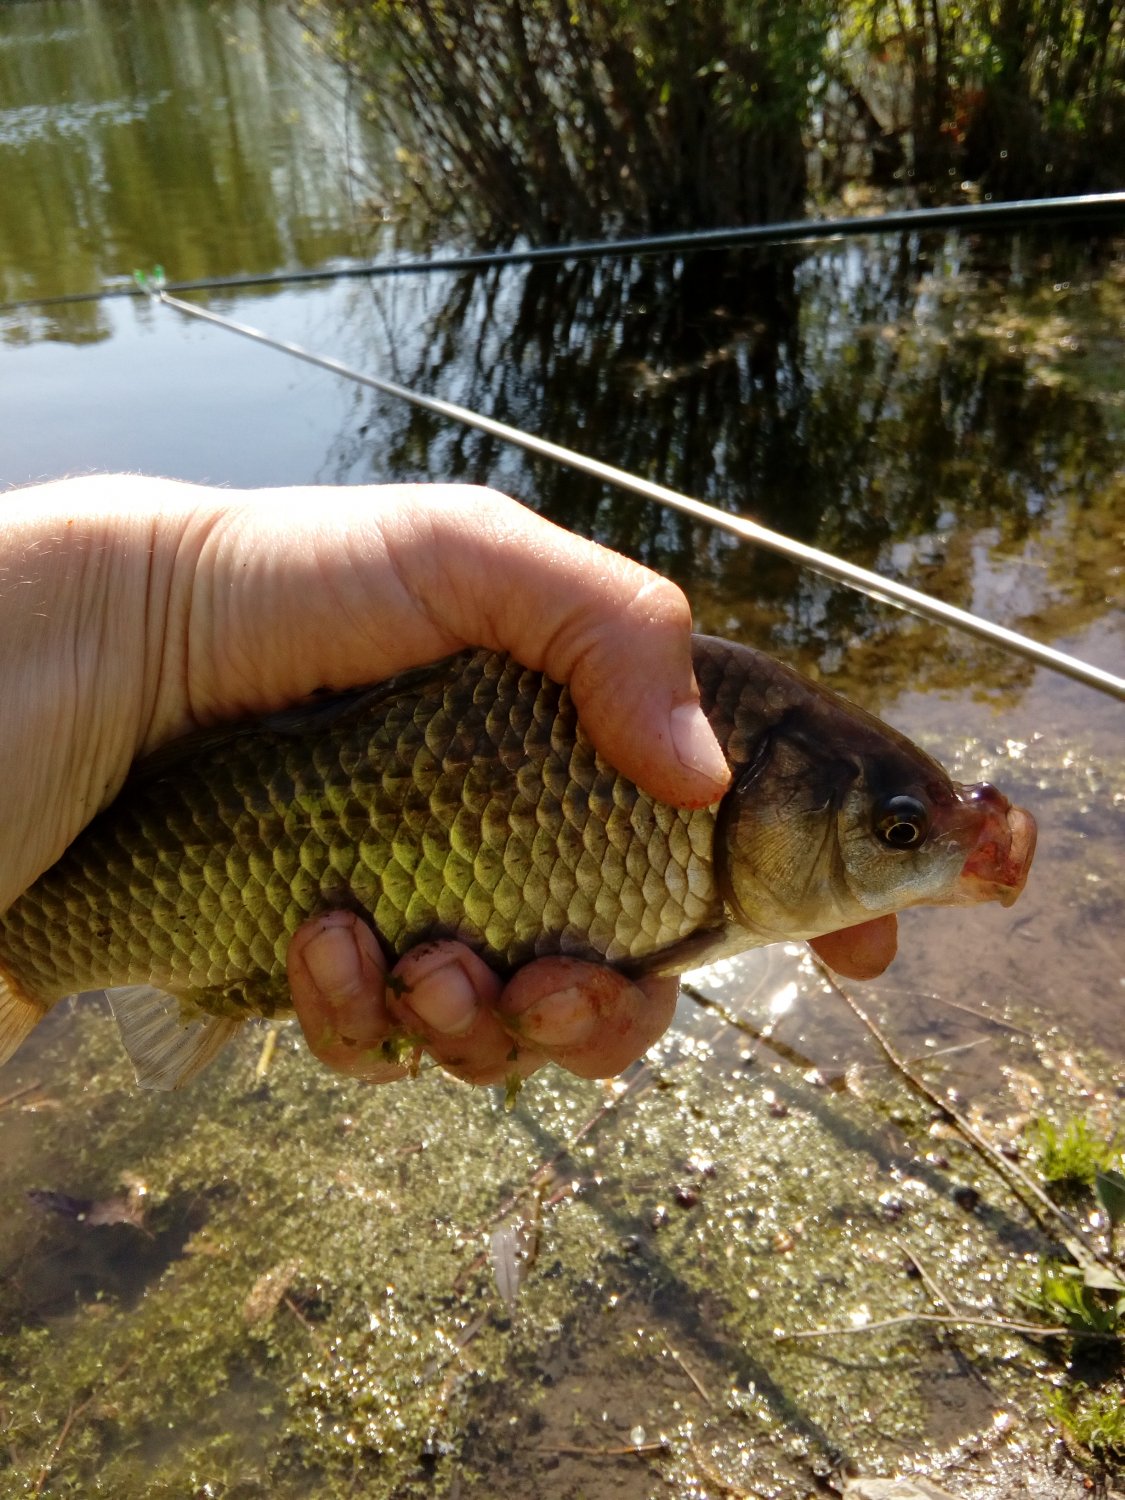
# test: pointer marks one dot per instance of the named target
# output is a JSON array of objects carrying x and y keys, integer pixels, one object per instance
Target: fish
[{"x": 465, "y": 800}]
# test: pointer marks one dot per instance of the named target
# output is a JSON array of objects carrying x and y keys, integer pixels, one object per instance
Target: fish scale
[{"x": 466, "y": 801}]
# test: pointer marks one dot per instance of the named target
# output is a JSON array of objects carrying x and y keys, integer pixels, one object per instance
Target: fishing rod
[
  {"x": 1081, "y": 208},
  {"x": 886, "y": 590}
]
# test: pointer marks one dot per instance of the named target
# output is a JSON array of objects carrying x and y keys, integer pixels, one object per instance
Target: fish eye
[{"x": 902, "y": 822}]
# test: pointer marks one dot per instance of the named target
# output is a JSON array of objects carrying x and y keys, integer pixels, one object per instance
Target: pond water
[{"x": 945, "y": 408}]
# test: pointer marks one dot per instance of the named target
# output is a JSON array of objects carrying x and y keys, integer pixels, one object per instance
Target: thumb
[
  {"x": 617, "y": 633},
  {"x": 636, "y": 694}
]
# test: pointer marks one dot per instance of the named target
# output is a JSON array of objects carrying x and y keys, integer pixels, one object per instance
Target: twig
[
  {"x": 538, "y": 1179},
  {"x": 265, "y": 1057},
  {"x": 28, "y": 1088},
  {"x": 439, "y": 1363},
  {"x": 937, "y": 1292},
  {"x": 951, "y": 1051},
  {"x": 978, "y": 1012},
  {"x": 981, "y": 1014},
  {"x": 932, "y": 1286},
  {"x": 1042, "y": 1205},
  {"x": 1031, "y": 1330},
  {"x": 757, "y": 1033},
  {"x": 622, "y": 1451},
  {"x": 691, "y": 1375},
  {"x": 291, "y": 1306},
  {"x": 73, "y": 1416}
]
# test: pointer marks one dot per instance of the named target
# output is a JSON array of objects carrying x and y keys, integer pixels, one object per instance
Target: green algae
[
  {"x": 326, "y": 1313},
  {"x": 1074, "y": 1155}
]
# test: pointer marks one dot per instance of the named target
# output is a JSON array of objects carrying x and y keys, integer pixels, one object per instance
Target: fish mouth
[{"x": 998, "y": 863}]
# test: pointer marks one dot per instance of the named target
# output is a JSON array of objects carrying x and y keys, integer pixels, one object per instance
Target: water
[{"x": 947, "y": 409}]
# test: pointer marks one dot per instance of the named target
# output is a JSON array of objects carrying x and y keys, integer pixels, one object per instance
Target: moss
[
  {"x": 1071, "y": 1155},
  {"x": 694, "y": 1218}
]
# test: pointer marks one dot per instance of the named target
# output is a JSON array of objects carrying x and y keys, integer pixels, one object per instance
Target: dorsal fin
[
  {"x": 317, "y": 713},
  {"x": 336, "y": 708},
  {"x": 166, "y": 1050}
]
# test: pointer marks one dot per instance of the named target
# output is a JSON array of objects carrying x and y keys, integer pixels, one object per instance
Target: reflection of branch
[{"x": 1043, "y": 1207}]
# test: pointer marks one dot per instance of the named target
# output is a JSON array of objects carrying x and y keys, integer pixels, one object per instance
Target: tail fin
[{"x": 19, "y": 1015}]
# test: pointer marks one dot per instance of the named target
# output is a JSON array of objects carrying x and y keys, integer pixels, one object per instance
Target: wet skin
[{"x": 442, "y": 998}]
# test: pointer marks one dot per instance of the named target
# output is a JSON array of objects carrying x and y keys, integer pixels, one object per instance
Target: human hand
[{"x": 134, "y": 610}]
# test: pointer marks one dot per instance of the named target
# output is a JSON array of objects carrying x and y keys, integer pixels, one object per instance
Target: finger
[
  {"x": 336, "y": 978},
  {"x": 860, "y": 952},
  {"x": 590, "y": 1019},
  {"x": 444, "y": 994},
  {"x": 617, "y": 633}
]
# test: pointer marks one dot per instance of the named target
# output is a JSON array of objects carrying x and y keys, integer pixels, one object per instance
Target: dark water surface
[{"x": 947, "y": 409}]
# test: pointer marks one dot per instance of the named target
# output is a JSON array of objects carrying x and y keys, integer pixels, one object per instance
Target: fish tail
[{"x": 20, "y": 1013}]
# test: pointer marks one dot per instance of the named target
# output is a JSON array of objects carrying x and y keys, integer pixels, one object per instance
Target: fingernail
[
  {"x": 696, "y": 746},
  {"x": 446, "y": 1000},
  {"x": 561, "y": 1019},
  {"x": 335, "y": 965}
]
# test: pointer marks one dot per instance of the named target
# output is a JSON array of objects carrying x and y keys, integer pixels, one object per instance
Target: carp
[{"x": 465, "y": 800}]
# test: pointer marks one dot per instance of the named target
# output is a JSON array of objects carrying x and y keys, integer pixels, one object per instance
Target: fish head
[{"x": 838, "y": 819}]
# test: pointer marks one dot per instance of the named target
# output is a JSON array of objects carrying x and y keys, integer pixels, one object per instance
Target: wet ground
[
  {"x": 697, "y": 1280},
  {"x": 282, "y": 1284}
]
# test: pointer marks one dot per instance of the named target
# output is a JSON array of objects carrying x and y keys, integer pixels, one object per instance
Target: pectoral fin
[
  {"x": 166, "y": 1050},
  {"x": 19, "y": 1015}
]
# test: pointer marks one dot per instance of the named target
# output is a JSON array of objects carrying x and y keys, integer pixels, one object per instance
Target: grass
[
  {"x": 1072, "y": 1157},
  {"x": 1093, "y": 1423}
]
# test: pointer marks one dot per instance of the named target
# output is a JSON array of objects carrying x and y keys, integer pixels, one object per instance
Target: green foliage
[
  {"x": 1073, "y": 1157},
  {"x": 1095, "y": 1422},
  {"x": 560, "y": 117},
  {"x": 1086, "y": 1300},
  {"x": 1109, "y": 1189},
  {"x": 1080, "y": 1164},
  {"x": 1021, "y": 96}
]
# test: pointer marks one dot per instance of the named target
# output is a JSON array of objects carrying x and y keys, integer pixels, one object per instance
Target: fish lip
[{"x": 997, "y": 866}]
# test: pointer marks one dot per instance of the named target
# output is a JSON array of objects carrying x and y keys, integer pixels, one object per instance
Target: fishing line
[
  {"x": 1085, "y": 207},
  {"x": 886, "y": 590}
]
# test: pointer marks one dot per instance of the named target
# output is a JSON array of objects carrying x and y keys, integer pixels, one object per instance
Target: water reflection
[
  {"x": 884, "y": 401},
  {"x": 203, "y": 138}
]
